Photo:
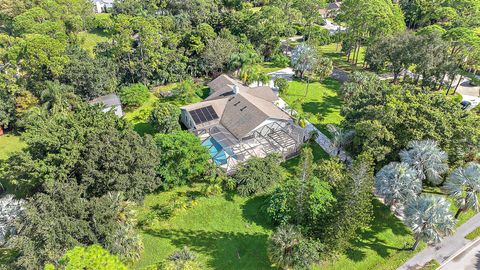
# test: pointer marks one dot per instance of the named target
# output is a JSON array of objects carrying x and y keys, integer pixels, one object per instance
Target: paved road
[
  {"x": 468, "y": 259},
  {"x": 444, "y": 250}
]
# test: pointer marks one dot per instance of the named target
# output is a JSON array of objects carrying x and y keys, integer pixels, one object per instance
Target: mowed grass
[
  {"x": 138, "y": 117},
  {"x": 230, "y": 232},
  {"x": 323, "y": 101},
  {"x": 10, "y": 143},
  {"x": 333, "y": 51},
  {"x": 383, "y": 246},
  {"x": 90, "y": 39},
  {"x": 227, "y": 231}
]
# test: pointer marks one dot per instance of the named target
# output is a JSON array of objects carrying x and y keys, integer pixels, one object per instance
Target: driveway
[{"x": 469, "y": 93}]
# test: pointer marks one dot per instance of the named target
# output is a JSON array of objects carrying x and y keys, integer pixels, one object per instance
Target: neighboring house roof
[
  {"x": 242, "y": 112},
  {"x": 105, "y": 2},
  {"x": 109, "y": 100},
  {"x": 334, "y": 5}
]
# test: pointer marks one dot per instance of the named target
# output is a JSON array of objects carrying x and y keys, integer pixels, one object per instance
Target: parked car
[{"x": 465, "y": 104}]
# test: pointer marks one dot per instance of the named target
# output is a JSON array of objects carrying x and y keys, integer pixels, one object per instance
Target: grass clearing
[
  {"x": 227, "y": 231},
  {"x": 90, "y": 39},
  {"x": 138, "y": 117},
  {"x": 323, "y": 100},
  {"x": 333, "y": 51},
  {"x": 381, "y": 247},
  {"x": 10, "y": 143}
]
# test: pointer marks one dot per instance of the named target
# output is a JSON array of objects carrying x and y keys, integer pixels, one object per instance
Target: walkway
[
  {"x": 445, "y": 249},
  {"x": 465, "y": 260}
]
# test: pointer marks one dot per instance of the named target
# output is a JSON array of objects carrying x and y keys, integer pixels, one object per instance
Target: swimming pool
[{"x": 218, "y": 154}]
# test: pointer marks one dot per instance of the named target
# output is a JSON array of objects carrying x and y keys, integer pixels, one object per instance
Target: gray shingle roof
[
  {"x": 240, "y": 113},
  {"x": 109, "y": 100}
]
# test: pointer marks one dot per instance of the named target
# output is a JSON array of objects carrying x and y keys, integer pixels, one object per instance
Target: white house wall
[{"x": 187, "y": 120}]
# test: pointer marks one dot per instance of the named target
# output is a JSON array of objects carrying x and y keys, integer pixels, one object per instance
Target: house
[
  {"x": 102, "y": 5},
  {"x": 110, "y": 102},
  {"x": 236, "y": 122},
  {"x": 331, "y": 10}
]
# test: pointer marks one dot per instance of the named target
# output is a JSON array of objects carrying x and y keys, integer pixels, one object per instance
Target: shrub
[
  {"x": 102, "y": 21},
  {"x": 183, "y": 158},
  {"x": 280, "y": 60},
  {"x": 282, "y": 84},
  {"x": 287, "y": 248},
  {"x": 183, "y": 259},
  {"x": 164, "y": 117},
  {"x": 134, "y": 95}
]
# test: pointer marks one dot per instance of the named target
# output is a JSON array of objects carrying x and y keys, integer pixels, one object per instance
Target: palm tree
[
  {"x": 397, "y": 183},
  {"x": 464, "y": 185},
  {"x": 341, "y": 138},
  {"x": 429, "y": 218},
  {"x": 282, "y": 245},
  {"x": 427, "y": 159},
  {"x": 57, "y": 97}
]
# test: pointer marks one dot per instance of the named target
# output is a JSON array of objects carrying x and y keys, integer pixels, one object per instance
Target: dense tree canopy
[
  {"x": 386, "y": 118},
  {"x": 97, "y": 151}
]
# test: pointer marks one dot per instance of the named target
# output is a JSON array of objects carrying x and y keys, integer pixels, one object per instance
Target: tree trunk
[
  {"x": 442, "y": 82},
  {"x": 308, "y": 83},
  {"x": 415, "y": 245},
  {"x": 358, "y": 53},
  {"x": 458, "y": 84},
  {"x": 459, "y": 211}
]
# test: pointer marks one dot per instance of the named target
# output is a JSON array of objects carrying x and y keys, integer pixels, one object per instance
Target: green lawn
[
  {"x": 474, "y": 234},
  {"x": 227, "y": 231},
  {"x": 230, "y": 232},
  {"x": 381, "y": 247},
  {"x": 138, "y": 117},
  {"x": 333, "y": 51},
  {"x": 8, "y": 144},
  {"x": 90, "y": 39},
  {"x": 323, "y": 100}
]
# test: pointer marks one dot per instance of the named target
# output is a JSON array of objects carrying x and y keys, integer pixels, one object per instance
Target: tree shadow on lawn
[
  {"x": 254, "y": 211},
  {"x": 226, "y": 250},
  {"x": 143, "y": 128},
  {"x": 369, "y": 238}
]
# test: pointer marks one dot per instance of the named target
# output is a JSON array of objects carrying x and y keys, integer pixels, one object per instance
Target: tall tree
[
  {"x": 367, "y": 20},
  {"x": 183, "y": 158},
  {"x": 427, "y": 159},
  {"x": 397, "y": 183},
  {"x": 429, "y": 218},
  {"x": 86, "y": 146},
  {"x": 288, "y": 249},
  {"x": 341, "y": 138},
  {"x": 464, "y": 186}
]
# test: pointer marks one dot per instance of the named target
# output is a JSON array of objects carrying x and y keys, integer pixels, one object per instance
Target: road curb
[{"x": 467, "y": 246}]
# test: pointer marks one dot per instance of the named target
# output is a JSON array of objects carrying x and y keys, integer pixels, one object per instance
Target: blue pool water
[{"x": 218, "y": 154}]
